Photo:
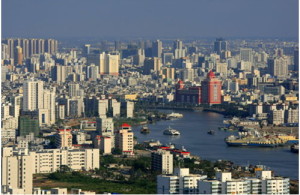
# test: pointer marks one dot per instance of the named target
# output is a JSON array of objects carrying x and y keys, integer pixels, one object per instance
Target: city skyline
[{"x": 150, "y": 19}]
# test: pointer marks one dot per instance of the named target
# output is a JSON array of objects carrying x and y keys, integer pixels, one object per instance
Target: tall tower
[
  {"x": 296, "y": 59},
  {"x": 211, "y": 89},
  {"x": 157, "y": 48},
  {"x": 33, "y": 95},
  {"x": 18, "y": 55},
  {"x": 220, "y": 45},
  {"x": 179, "y": 51}
]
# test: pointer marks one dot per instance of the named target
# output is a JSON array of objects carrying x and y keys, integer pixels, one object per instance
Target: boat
[
  {"x": 253, "y": 138},
  {"x": 211, "y": 132},
  {"x": 295, "y": 148},
  {"x": 145, "y": 129},
  {"x": 174, "y": 115},
  {"x": 170, "y": 131}
]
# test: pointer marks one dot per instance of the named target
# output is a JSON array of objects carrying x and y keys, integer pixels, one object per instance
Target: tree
[{"x": 64, "y": 169}]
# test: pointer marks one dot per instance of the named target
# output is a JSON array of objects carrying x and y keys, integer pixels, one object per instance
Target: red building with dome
[
  {"x": 211, "y": 90},
  {"x": 208, "y": 93}
]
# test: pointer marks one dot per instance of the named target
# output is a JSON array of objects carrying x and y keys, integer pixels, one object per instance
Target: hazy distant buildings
[
  {"x": 157, "y": 48},
  {"x": 246, "y": 54},
  {"x": 278, "y": 66},
  {"x": 178, "y": 49},
  {"x": 151, "y": 64},
  {"x": 220, "y": 45}
]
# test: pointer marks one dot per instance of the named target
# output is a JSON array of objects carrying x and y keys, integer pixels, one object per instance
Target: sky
[{"x": 149, "y": 18}]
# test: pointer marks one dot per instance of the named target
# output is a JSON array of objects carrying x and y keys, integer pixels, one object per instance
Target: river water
[{"x": 193, "y": 128}]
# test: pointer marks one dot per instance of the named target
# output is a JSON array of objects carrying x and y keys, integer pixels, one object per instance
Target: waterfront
[{"x": 194, "y": 126}]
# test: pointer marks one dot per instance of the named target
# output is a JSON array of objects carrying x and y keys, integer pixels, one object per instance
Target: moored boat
[{"x": 170, "y": 131}]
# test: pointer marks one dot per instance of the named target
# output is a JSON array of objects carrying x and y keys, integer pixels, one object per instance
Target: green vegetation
[
  {"x": 131, "y": 121},
  {"x": 136, "y": 178}
]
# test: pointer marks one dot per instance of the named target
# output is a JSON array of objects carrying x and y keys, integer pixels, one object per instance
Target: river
[{"x": 193, "y": 128}]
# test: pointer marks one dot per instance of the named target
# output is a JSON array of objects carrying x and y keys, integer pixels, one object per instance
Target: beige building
[
  {"x": 17, "y": 169},
  {"x": 162, "y": 161},
  {"x": 109, "y": 64},
  {"x": 124, "y": 139},
  {"x": 33, "y": 95},
  {"x": 50, "y": 160},
  {"x": 63, "y": 138}
]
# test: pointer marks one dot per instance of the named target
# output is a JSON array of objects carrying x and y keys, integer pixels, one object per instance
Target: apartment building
[
  {"x": 162, "y": 161},
  {"x": 124, "y": 139},
  {"x": 181, "y": 182},
  {"x": 263, "y": 183}
]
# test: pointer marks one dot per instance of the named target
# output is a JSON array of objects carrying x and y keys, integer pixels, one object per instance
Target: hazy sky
[{"x": 149, "y": 18}]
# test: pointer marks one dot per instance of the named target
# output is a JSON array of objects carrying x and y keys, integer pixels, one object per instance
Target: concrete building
[
  {"x": 276, "y": 117},
  {"x": 190, "y": 95},
  {"x": 157, "y": 48},
  {"x": 152, "y": 64},
  {"x": 33, "y": 95},
  {"x": 278, "y": 66},
  {"x": 124, "y": 139},
  {"x": 29, "y": 123},
  {"x": 162, "y": 161},
  {"x": 246, "y": 54},
  {"x": 211, "y": 90},
  {"x": 109, "y": 64},
  {"x": 63, "y": 138},
  {"x": 181, "y": 182},
  {"x": 291, "y": 116},
  {"x": 129, "y": 109},
  {"x": 263, "y": 183},
  {"x": 17, "y": 170}
]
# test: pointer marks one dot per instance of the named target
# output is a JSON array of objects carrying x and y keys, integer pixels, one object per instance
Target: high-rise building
[
  {"x": 59, "y": 73},
  {"x": 157, "y": 48},
  {"x": 63, "y": 138},
  {"x": 51, "y": 46},
  {"x": 263, "y": 183},
  {"x": 162, "y": 161},
  {"x": 33, "y": 95},
  {"x": 29, "y": 123},
  {"x": 151, "y": 64},
  {"x": 74, "y": 89},
  {"x": 124, "y": 139},
  {"x": 220, "y": 45},
  {"x": 246, "y": 54},
  {"x": 129, "y": 109},
  {"x": 17, "y": 171},
  {"x": 296, "y": 59},
  {"x": 86, "y": 49},
  {"x": 167, "y": 58},
  {"x": 181, "y": 182},
  {"x": 18, "y": 55},
  {"x": 278, "y": 66},
  {"x": 179, "y": 50},
  {"x": 211, "y": 89},
  {"x": 92, "y": 72},
  {"x": 109, "y": 64},
  {"x": 25, "y": 47}
]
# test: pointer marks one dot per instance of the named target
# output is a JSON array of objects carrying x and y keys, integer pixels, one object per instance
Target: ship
[
  {"x": 254, "y": 139},
  {"x": 211, "y": 132},
  {"x": 170, "y": 131},
  {"x": 174, "y": 115},
  {"x": 295, "y": 148},
  {"x": 145, "y": 130}
]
